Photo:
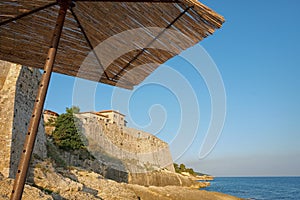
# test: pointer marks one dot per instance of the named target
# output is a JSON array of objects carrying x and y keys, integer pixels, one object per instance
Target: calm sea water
[{"x": 258, "y": 188}]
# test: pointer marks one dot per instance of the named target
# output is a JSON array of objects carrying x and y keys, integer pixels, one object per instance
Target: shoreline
[{"x": 76, "y": 183}]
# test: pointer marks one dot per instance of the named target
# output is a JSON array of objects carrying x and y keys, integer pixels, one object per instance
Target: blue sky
[{"x": 257, "y": 55}]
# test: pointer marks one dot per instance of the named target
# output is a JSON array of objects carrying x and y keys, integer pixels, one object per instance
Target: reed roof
[{"x": 124, "y": 59}]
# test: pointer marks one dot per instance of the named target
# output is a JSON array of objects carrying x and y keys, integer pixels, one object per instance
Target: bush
[{"x": 182, "y": 168}]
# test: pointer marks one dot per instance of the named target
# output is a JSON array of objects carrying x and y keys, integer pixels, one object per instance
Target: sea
[{"x": 258, "y": 188}]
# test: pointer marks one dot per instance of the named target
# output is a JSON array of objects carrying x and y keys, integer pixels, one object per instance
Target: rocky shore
[
  {"x": 204, "y": 178},
  {"x": 47, "y": 182}
]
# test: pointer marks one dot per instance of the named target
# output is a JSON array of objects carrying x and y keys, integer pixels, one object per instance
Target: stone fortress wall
[
  {"x": 138, "y": 151},
  {"x": 18, "y": 89}
]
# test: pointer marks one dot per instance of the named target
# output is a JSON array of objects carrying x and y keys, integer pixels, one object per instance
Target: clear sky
[{"x": 257, "y": 54}]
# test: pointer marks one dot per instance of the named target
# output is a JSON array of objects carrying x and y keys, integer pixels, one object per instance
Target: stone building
[
  {"x": 108, "y": 116},
  {"x": 48, "y": 115},
  {"x": 18, "y": 89},
  {"x": 113, "y": 117}
]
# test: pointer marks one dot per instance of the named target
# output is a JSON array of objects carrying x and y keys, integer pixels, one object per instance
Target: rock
[
  {"x": 165, "y": 178},
  {"x": 204, "y": 178},
  {"x": 177, "y": 193},
  {"x": 46, "y": 177},
  {"x": 29, "y": 193},
  {"x": 76, "y": 183},
  {"x": 107, "y": 189},
  {"x": 1, "y": 177}
]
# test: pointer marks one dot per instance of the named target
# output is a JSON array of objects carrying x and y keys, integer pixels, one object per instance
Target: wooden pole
[{"x": 23, "y": 166}]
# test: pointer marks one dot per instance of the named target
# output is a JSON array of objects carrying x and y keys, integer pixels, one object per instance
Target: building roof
[
  {"x": 110, "y": 111},
  {"x": 99, "y": 114},
  {"x": 93, "y": 112},
  {"x": 50, "y": 112}
]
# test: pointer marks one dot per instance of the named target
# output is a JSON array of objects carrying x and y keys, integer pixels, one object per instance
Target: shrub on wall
[{"x": 66, "y": 136}]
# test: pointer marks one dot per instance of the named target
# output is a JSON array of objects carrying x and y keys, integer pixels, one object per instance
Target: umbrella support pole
[{"x": 23, "y": 166}]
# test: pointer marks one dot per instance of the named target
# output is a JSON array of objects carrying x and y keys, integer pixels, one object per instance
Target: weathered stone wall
[
  {"x": 125, "y": 149},
  {"x": 18, "y": 88},
  {"x": 142, "y": 159}
]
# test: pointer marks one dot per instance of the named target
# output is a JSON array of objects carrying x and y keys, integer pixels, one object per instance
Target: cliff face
[{"x": 18, "y": 87}]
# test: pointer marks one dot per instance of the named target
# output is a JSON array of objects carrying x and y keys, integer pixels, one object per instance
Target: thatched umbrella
[{"x": 32, "y": 32}]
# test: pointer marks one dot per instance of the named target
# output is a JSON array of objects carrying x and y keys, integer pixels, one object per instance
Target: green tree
[
  {"x": 176, "y": 167},
  {"x": 191, "y": 171},
  {"x": 66, "y": 136},
  {"x": 182, "y": 167}
]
